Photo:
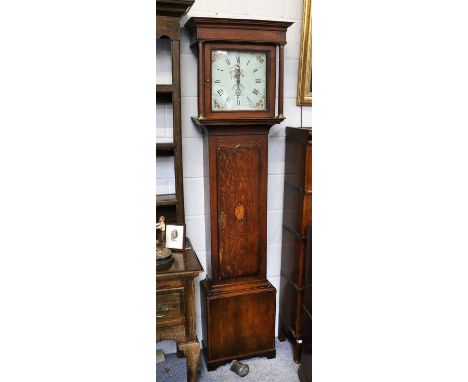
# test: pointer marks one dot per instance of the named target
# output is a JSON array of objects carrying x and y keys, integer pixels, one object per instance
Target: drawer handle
[{"x": 161, "y": 310}]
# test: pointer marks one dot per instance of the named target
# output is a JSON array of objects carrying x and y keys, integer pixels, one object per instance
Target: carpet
[{"x": 279, "y": 369}]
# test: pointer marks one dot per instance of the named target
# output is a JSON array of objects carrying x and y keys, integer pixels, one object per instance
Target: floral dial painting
[{"x": 238, "y": 80}]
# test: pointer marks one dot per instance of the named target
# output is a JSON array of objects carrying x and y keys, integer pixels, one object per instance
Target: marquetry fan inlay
[{"x": 239, "y": 211}]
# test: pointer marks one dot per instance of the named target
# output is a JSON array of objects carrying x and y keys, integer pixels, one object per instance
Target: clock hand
[{"x": 237, "y": 75}]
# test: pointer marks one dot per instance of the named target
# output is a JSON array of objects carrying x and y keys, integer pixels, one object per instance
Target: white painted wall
[{"x": 196, "y": 212}]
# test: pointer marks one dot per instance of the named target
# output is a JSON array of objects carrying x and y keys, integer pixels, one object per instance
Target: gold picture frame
[{"x": 304, "y": 81}]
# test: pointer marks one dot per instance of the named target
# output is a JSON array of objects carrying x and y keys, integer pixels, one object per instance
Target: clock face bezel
[{"x": 270, "y": 78}]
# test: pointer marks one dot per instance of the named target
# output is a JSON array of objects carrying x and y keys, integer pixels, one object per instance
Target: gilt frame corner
[{"x": 304, "y": 81}]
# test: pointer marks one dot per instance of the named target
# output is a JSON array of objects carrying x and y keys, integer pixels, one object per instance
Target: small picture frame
[{"x": 175, "y": 236}]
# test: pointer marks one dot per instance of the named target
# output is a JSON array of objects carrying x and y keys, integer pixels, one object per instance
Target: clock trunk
[
  {"x": 238, "y": 189},
  {"x": 238, "y": 302}
]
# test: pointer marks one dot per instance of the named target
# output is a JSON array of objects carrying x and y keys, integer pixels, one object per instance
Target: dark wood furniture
[
  {"x": 175, "y": 302},
  {"x": 238, "y": 302},
  {"x": 297, "y": 215},
  {"x": 168, "y": 15},
  {"x": 305, "y": 369}
]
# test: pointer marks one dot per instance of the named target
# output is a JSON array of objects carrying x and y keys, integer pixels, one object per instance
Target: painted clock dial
[{"x": 238, "y": 80}]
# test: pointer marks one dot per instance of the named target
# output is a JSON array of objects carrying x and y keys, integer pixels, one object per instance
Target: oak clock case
[{"x": 236, "y": 108}]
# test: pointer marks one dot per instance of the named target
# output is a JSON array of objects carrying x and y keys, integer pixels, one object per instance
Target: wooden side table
[{"x": 175, "y": 301}]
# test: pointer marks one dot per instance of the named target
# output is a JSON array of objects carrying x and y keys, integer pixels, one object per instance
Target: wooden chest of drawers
[
  {"x": 297, "y": 216},
  {"x": 175, "y": 307}
]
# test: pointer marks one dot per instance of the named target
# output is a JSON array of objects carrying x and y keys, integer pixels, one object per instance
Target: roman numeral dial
[{"x": 238, "y": 80}]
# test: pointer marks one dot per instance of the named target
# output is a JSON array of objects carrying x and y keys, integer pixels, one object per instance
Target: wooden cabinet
[
  {"x": 305, "y": 369},
  {"x": 297, "y": 216},
  {"x": 175, "y": 307}
]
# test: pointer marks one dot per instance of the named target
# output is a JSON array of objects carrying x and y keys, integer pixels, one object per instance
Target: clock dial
[{"x": 238, "y": 80}]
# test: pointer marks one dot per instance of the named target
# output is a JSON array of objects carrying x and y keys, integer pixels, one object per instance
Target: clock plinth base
[
  {"x": 213, "y": 365},
  {"x": 237, "y": 324}
]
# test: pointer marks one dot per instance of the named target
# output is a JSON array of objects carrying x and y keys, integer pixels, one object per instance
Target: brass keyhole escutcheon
[{"x": 221, "y": 217}]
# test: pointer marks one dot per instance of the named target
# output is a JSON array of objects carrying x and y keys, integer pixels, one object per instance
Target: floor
[{"x": 279, "y": 369}]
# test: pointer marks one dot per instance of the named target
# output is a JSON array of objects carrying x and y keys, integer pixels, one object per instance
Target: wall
[{"x": 196, "y": 212}]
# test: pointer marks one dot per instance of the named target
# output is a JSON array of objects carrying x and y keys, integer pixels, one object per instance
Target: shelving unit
[
  {"x": 165, "y": 149},
  {"x": 168, "y": 15},
  {"x": 175, "y": 286}
]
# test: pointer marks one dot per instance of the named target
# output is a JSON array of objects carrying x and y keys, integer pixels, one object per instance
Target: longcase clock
[{"x": 239, "y": 99}]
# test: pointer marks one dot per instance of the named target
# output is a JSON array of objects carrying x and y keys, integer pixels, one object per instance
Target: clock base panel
[{"x": 237, "y": 325}]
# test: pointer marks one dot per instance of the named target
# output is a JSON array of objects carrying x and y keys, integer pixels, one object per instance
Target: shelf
[
  {"x": 164, "y": 88},
  {"x": 164, "y": 149},
  {"x": 163, "y": 96},
  {"x": 168, "y": 15},
  {"x": 166, "y": 200},
  {"x": 165, "y": 146}
]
